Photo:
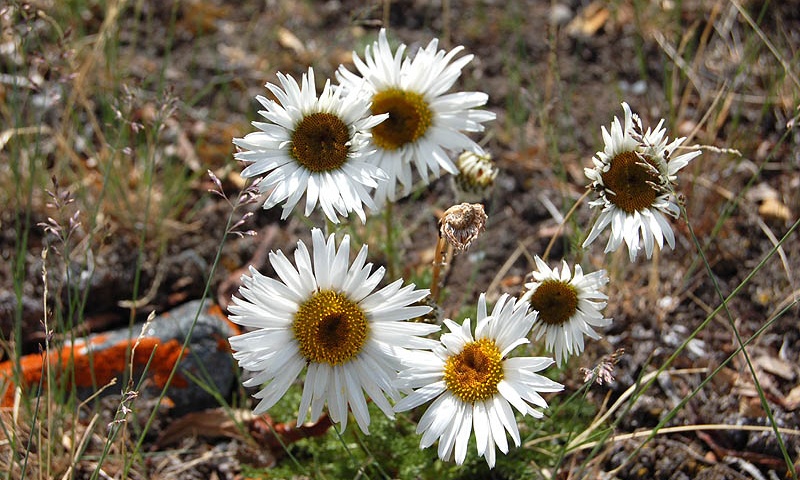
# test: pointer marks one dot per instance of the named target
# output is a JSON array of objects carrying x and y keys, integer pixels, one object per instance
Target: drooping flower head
[
  {"x": 634, "y": 176},
  {"x": 323, "y": 317},
  {"x": 473, "y": 382},
  {"x": 317, "y": 146},
  {"x": 568, "y": 306},
  {"x": 424, "y": 120}
]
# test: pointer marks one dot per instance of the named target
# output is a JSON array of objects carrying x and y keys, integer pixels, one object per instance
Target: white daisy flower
[
  {"x": 635, "y": 175},
  {"x": 473, "y": 382},
  {"x": 424, "y": 120},
  {"x": 317, "y": 146},
  {"x": 324, "y": 317},
  {"x": 568, "y": 306}
]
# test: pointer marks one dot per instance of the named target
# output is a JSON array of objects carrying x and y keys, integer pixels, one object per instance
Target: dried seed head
[
  {"x": 461, "y": 224},
  {"x": 604, "y": 371},
  {"x": 476, "y": 175}
]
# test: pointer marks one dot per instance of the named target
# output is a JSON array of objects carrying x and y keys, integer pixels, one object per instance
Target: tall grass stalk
[
  {"x": 764, "y": 404},
  {"x": 47, "y": 407},
  {"x": 648, "y": 380},
  {"x": 230, "y": 221}
]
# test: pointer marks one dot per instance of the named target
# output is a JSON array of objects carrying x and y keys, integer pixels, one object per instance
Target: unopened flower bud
[{"x": 477, "y": 173}]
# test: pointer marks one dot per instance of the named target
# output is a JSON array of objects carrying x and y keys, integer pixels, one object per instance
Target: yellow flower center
[
  {"x": 410, "y": 117},
  {"x": 330, "y": 328},
  {"x": 473, "y": 374},
  {"x": 556, "y": 302},
  {"x": 630, "y": 182},
  {"x": 320, "y": 142}
]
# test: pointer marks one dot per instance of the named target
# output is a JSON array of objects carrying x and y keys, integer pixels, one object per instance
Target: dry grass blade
[
  {"x": 621, "y": 437},
  {"x": 82, "y": 445},
  {"x": 787, "y": 67},
  {"x": 127, "y": 103},
  {"x": 601, "y": 420},
  {"x": 10, "y": 133}
]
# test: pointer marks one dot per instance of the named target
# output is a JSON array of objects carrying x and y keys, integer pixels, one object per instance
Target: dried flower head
[
  {"x": 604, "y": 371},
  {"x": 461, "y": 224},
  {"x": 476, "y": 175},
  {"x": 64, "y": 224}
]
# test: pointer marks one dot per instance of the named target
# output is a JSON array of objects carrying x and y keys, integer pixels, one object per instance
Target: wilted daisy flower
[
  {"x": 473, "y": 382},
  {"x": 461, "y": 224},
  {"x": 634, "y": 176},
  {"x": 423, "y": 119},
  {"x": 568, "y": 305},
  {"x": 317, "y": 146},
  {"x": 323, "y": 316}
]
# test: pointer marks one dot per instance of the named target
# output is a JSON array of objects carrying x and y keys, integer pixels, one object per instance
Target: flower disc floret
[
  {"x": 321, "y": 142},
  {"x": 410, "y": 117},
  {"x": 330, "y": 328},
  {"x": 556, "y": 302},
  {"x": 630, "y": 183},
  {"x": 473, "y": 374}
]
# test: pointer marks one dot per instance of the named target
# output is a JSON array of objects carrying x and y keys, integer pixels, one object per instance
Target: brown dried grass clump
[{"x": 45, "y": 440}]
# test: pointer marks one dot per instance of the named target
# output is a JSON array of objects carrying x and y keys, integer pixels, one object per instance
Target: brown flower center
[
  {"x": 631, "y": 183},
  {"x": 320, "y": 142},
  {"x": 556, "y": 302},
  {"x": 410, "y": 117}
]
